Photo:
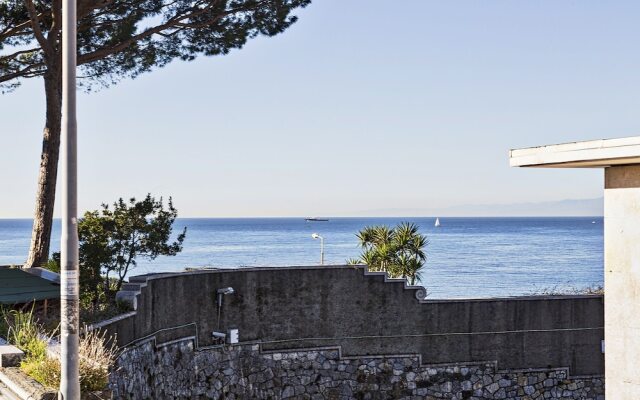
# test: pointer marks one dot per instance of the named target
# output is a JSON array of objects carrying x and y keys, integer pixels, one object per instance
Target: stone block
[{"x": 10, "y": 356}]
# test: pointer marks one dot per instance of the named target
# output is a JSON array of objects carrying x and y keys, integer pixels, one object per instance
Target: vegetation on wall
[{"x": 398, "y": 251}]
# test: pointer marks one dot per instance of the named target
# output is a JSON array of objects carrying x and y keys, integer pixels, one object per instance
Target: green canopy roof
[{"x": 18, "y": 286}]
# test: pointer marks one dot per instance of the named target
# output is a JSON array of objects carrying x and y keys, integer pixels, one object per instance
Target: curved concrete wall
[{"x": 366, "y": 314}]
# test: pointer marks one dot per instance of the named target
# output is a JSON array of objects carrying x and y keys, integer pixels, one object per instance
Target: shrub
[
  {"x": 45, "y": 370},
  {"x": 95, "y": 361},
  {"x": 24, "y": 332},
  {"x": 96, "y": 357},
  {"x": 112, "y": 240}
]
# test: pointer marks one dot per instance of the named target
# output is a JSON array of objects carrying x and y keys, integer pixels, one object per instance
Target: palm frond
[{"x": 398, "y": 251}]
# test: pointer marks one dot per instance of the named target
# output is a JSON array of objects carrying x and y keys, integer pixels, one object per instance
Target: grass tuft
[{"x": 96, "y": 357}]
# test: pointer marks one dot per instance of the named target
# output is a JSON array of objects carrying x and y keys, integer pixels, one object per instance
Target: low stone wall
[{"x": 177, "y": 370}]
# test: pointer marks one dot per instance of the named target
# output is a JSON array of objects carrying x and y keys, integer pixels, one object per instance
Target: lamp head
[
  {"x": 315, "y": 236},
  {"x": 227, "y": 290}
]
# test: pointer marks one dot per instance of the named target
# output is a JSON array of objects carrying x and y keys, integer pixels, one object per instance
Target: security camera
[
  {"x": 227, "y": 290},
  {"x": 219, "y": 335}
]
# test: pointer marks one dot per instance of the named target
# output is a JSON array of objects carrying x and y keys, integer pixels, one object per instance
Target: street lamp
[
  {"x": 221, "y": 293},
  {"x": 69, "y": 285},
  {"x": 316, "y": 236}
]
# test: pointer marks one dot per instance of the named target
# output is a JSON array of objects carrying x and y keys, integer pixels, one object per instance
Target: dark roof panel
[{"x": 18, "y": 286}]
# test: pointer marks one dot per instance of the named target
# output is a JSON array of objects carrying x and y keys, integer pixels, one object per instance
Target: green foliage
[
  {"x": 24, "y": 332},
  {"x": 89, "y": 313},
  {"x": 92, "y": 296},
  {"x": 119, "y": 39},
  {"x": 35, "y": 347},
  {"x": 398, "y": 251},
  {"x": 28, "y": 335},
  {"x": 45, "y": 370},
  {"x": 4, "y": 324},
  {"x": 113, "y": 239},
  {"x": 53, "y": 264}
]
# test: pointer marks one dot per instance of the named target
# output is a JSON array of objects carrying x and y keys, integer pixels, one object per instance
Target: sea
[{"x": 466, "y": 257}]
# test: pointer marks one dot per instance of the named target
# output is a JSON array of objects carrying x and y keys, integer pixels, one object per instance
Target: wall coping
[
  {"x": 23, "y": 386},
  {"x": 143, "y": 279}
]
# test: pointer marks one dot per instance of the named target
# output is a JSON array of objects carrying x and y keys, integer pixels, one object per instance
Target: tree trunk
[
  {"x": 46, "y": 192},
  {"x": 107, "y": 288}
]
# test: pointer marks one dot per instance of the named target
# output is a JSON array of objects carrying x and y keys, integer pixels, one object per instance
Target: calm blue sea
[{"x": 467, "y": 257}]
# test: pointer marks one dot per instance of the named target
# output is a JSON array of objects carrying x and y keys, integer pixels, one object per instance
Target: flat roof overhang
[{"x": 589, "y": 154}]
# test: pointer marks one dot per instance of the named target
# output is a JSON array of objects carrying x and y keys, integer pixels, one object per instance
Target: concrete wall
[
  {"x": 365, "y": 314},
  {"x": 622, "y": 280}
]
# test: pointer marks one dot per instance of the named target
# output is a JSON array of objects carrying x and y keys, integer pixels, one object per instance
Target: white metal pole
[
  {"x": 69, "y": 289},
  {"x": 321, "y": 250}
]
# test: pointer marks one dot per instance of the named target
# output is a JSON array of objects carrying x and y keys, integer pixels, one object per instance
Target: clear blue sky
[{"x": 361, "y": 105}]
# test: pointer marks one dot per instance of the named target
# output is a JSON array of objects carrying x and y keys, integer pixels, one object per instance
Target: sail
[{"x": 437, "y": 222}]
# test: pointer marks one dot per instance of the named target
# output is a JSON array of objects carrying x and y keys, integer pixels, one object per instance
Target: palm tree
[
  {"x": 410, "y": 249},
  {"x": 397, "y": 251}
]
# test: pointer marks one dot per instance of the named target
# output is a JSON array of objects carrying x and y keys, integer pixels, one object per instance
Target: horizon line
[{"x": 360, "y": 216}]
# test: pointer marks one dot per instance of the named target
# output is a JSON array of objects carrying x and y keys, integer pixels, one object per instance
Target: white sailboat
[{"x": 437, "y": 224}]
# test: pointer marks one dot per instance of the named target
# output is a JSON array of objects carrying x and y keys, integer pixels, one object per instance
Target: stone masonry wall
[{"x": 175, "y": 370}]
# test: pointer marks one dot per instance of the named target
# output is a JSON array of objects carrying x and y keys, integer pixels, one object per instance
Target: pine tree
[{"x": 117, "y": 39}]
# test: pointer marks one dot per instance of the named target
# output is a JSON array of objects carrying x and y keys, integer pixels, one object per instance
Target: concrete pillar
[
  {"x": 622, "y": 281},
  {"x": 620, "y": 159}
]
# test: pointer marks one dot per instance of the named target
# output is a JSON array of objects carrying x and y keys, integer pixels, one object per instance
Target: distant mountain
[{"x": 566, "y": 208}]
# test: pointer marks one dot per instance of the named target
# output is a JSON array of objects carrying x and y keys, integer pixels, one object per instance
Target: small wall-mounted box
[{"x": 233, "y": 336}]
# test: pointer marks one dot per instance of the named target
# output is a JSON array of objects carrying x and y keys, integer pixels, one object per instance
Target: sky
[{"x": 362, "y": 105}]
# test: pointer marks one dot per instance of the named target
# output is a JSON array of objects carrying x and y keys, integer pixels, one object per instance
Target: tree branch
[
  {"x": 175, "y": 22},
  {"x": 35, "y": 25},
  {"x": 15, "y": 30},
  {"x": 87, "y": 6},
  {"x": 23, "y": 73},
  {"x": 17, "y": 53}
]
